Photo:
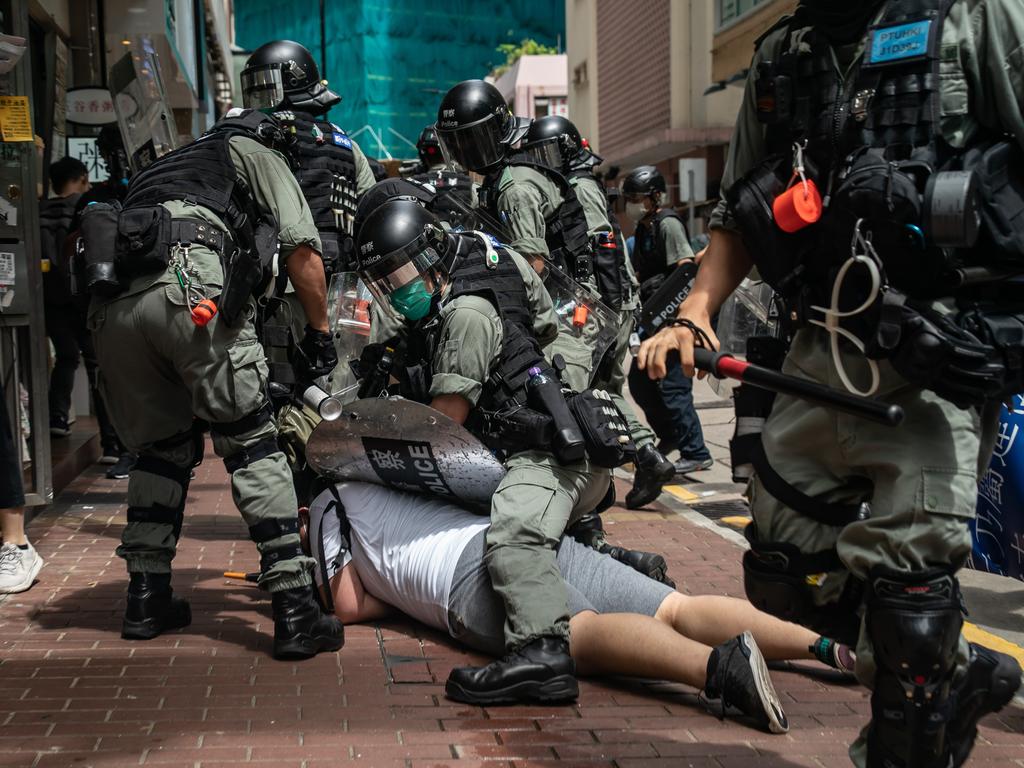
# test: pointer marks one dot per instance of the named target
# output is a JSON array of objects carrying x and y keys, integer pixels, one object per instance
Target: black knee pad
[
  {"x": 776, "y": 579},
  {"x": 914, "y": 620},
  {"x": 251, "y": 454},
  {"x": 158, "y": 514}
]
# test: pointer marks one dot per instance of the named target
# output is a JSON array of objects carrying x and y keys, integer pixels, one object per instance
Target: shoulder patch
[
  {"x": 900, "y": 42},
  {"x": 342, "y": 140}
]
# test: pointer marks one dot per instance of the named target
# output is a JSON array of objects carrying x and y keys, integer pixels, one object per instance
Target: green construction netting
[{"x": 392, "y": 61}]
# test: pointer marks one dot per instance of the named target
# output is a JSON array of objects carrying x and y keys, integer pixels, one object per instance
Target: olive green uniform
[
  {"x": 159, "y": 372},
  {"x": 537, "y": 497},
  {"x": 925, "y": 472},
  {"x": 591, "y": 197}
]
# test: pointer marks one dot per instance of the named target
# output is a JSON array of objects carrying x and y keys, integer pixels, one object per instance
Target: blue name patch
[
  {"x": 342, "y": 140},
  {"x": 905, "y": 41}
]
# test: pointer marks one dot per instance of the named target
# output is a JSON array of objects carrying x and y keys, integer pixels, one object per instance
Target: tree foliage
[{"x": 513, "y": 51}]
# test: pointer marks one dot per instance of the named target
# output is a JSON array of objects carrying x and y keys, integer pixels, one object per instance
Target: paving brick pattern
[{"x": 75, "y": 695}]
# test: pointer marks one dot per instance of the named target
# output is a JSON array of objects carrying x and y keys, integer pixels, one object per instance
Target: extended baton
[{"x": 725, "y": 366}]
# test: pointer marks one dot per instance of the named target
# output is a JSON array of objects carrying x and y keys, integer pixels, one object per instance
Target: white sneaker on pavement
[{"x": 18, "y": 568}]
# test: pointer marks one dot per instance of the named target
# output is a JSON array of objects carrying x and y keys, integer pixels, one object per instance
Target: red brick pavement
[{"x": 75, "y": 694}]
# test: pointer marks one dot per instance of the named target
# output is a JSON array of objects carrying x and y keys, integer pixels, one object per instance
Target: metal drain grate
[{"x": 716, "y": 510}]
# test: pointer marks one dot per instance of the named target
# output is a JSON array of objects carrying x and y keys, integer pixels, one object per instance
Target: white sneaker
[{"x": 18, "y": 568}]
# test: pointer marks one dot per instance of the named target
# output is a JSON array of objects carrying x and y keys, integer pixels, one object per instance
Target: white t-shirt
[{"x": 405, "y": 546}]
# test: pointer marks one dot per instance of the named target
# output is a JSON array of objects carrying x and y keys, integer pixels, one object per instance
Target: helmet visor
[
  {"x": 401, "y": 267},
  {"x": 262, "y": 88},
  {"x": 474, "y": 147},
  {"x": 547, "y": 153}
]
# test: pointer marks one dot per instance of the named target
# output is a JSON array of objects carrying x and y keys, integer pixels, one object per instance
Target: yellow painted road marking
[
  {"x": 737, "y": 521},
  {"x": 681, "y": 493},
  {"x": 976, "y": 634}
]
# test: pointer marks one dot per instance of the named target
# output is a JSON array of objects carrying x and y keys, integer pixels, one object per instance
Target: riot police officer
[
  {"x": 478, "y": 316},
  {"x": 281, "y": 77},
  {"x": 660, "y": 245},
  {"x": 535, "y": 202},
  {"x": 455, "y": 191},
  {"x": 555, "y": 142},
  {"x": 856, "y": 114},
  {"x": 195, "y": 242}
]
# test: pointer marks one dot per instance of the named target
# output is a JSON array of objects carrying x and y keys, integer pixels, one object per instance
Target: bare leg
[
  {"x": 713, "y": 619},
  {"x": 12, "y": 525},
  {"x": 636, "y": 645}
]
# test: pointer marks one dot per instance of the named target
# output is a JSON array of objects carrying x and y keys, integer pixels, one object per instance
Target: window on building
[{"x": 730, "y": 10}]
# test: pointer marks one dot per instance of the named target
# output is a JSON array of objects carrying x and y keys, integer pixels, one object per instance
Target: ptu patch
[
  {"x": 899, "y": 43},
  {"x": 342, "y": 140}
]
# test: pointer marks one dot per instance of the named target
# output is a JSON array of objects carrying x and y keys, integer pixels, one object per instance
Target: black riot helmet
[
  {"x": 429, "y": 148},
  {"x": 283, "y": 75},
  {"x": 644, "y": 181},
  {"x": 401, "y": 253},
  {"x": 553, "y": 141},
  {"x": 392, "y": 189},
  {"x": 475, "y": 127}
]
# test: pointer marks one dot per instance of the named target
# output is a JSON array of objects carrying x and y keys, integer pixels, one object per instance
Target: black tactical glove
[
  {"x": 314, "y": 356},
  {"x": 933, "y": 352}
]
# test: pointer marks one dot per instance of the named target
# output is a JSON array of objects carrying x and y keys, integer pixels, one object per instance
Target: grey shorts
[{"x": 595, "y": 582}]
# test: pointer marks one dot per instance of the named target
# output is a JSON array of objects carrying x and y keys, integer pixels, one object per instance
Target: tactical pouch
[
  {"x": 512, "y": 431},
  {"x": 1000, "y": 172},
  {"x": 776, "y": 254},
  {"x": 603, "y": 427},
  {"x": 143, "y": 239},
  {"x": 93, "y": 270}
]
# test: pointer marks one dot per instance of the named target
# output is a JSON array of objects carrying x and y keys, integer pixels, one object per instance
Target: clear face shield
[
  {"x": 406, "y": 278},
  {"x": 263, "y": 88},
  {"x": 474, "y": 147},
  {"x": 547, "y": 152}
]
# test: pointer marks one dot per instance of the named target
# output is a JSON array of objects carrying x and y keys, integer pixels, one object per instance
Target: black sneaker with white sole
[
  {"x": 122, "y": 467},
  {"x": 688, "y": 466},
  {"x": 738, "y": 678}
]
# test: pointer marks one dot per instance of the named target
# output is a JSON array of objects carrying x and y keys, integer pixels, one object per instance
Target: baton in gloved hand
[{"x": 725, "y": 366}]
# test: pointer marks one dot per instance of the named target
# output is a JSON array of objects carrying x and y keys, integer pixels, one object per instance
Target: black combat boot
[
  {"x": 738, "y": 676},
  {"x": 541, "y": 670},
  {"x": 991, "y": 681},
  {"x": 152, "y": 607},
  {"x": 653, "y": 470},
  {"x": 301, "y": 629}
]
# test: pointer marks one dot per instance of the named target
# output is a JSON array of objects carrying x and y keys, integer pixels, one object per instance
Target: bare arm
[
  {"x": 306, "y": 271},
  {"x": 455, "y": 407},
  {"x": 352, "y": 603},
  {"x": 724, "y": 265}
]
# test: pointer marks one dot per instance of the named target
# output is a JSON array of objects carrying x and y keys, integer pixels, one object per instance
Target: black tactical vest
[
  {"x": 565, "y": 229},
  {"x": 324, "y": 165},
  {"x": 870, "y": 146},
  {"x": 610, "y": 271},
  {"x": 452, "y": 188},
  {"x": 502, "y": 285},
  {"x": 650, "y": 259},
  {"x": 202, "y": 173}
]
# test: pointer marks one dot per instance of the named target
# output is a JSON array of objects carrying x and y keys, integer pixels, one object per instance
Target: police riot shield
[
  {"x": 407, "y": 446},
  {"x": 584, "y": 321},
  {"x": 140, "y": 104},
  {"x": 750, "y": 311},
  {"x": 348, "y": 314},
  {"x": 665, "y": 302}
]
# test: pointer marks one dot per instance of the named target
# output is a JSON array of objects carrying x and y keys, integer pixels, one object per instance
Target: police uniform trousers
[
  {"x": 535, "y": 502},
  {"x": 158, "y": 372},
  {"x": 924, "y": 474}
]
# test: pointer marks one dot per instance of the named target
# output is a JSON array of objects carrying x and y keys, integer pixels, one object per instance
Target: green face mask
[{"x": 412, "y": 301}]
